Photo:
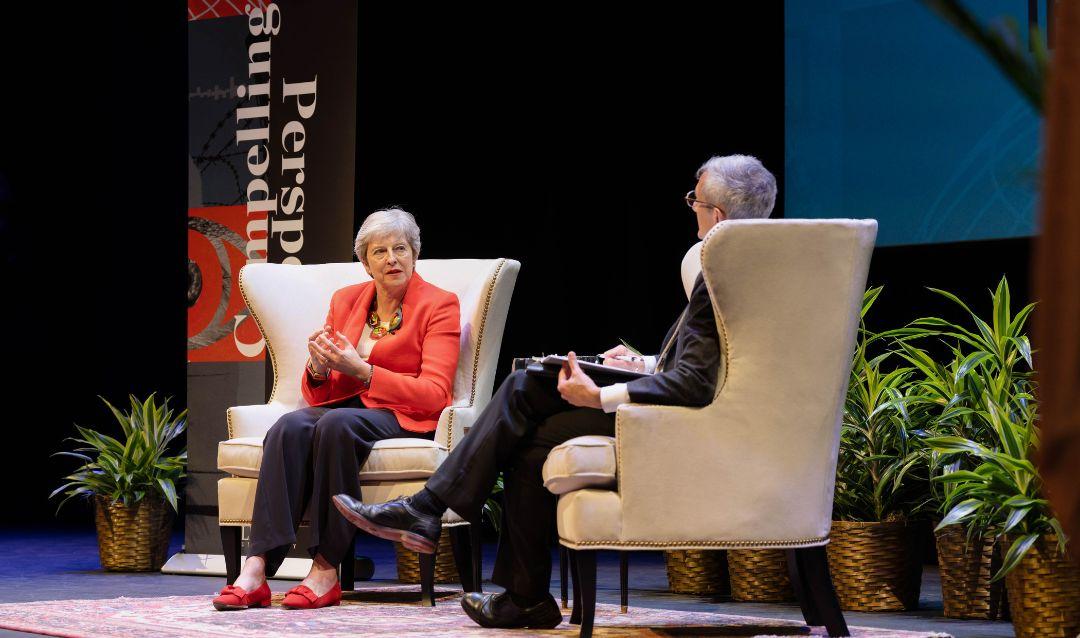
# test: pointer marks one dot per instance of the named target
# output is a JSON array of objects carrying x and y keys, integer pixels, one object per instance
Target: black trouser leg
[
  {"x": 523, "y": 560},
  {"x": 466, "y": 477},
  {"x": 343, "y": 440},
  {"x": 525, "y": 419},
  {"x": 284, "y": 485},
  {"x": 308, "y": 456}
]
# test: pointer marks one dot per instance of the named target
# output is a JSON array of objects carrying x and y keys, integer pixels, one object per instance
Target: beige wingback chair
[
  {"x": 289, "y": 302},
  {"x": 755, "y": 468}
]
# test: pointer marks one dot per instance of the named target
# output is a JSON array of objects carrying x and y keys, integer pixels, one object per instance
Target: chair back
[
  {"x": 759, "y": 462},
  {"x": 289, "y": 302},
  {"x": 787, "y": 296},
  {"x": 691, "y": 267}
]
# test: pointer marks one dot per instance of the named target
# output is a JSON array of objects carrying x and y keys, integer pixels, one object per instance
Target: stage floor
[{"x": 48, "y": 564}]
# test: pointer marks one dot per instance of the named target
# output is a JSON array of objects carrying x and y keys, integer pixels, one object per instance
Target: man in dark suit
[{"x": 529, "y": 415}]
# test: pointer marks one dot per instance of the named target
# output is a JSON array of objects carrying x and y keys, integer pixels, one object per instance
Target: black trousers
[
  {"x": 308, "y": 456},
  {"x": 513, "y": 435}
]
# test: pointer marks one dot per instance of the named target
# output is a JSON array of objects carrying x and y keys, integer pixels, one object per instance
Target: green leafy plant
[
  {"x": 1003, "y": 493},
  {"x": 983, "y": 428},
  {"x": 992, "y": 360},
  {"x": 878, "y": 476},
  {"x": 493, "y": 507},
  {"x": 137, "y": 467}
]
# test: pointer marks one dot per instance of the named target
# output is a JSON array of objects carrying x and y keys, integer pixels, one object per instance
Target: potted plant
[
  {"x": 132, "y": 482},
  {"x": 881, "y": 484},
  {"x": 1002, "y": 495},
  {"x": 991, "y": 360}
]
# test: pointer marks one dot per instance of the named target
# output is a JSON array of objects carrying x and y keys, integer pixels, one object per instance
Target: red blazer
[{"x": 414, "y": 366}]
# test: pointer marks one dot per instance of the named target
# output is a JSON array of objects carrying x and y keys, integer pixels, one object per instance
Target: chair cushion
[
  {"x": 390, "y": 459},
  {"x": 582, "y": 462},
  {"x": 401, "y": 459},
  {"x": 241, "y": 456}
]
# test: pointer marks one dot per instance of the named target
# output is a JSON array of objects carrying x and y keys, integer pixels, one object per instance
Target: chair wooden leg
[
  {"x": 347, "y": 570},
  {"x": 564, "y": 576},
  {"x": 586, "y": 566},
  {"x": 624, "y": 581},
  {"x": 365, "y": 568},
  {"x": 464, "y": 560},
  {"x": 575, "y": 612},
  {"x": 477, "y": 552},
  {"x": 427, "y": 580},
  {"x": 230, "y": 548},
  {"x": 802, "y": 590},
  {"x": 810, "y": 574}
]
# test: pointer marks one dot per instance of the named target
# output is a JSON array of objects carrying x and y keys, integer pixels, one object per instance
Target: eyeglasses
[
  {"x": 691, "y": 201},
  {"x": 381, "y": 254}
]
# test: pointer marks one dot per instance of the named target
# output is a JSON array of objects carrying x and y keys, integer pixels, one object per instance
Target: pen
[{"x": 623, "y": 357}]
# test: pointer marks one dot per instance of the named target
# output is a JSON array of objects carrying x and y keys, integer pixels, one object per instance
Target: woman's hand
[
  {"x": 318, "y": 362},
  {"x": 341, "y": 355},
  {"x": 630, "y": 361},
  {"x": 576, "y": 387}
]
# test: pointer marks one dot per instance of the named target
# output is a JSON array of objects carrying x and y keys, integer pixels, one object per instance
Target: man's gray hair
[
  {"x": 388, "y": 221},
  {"x": 740, "y": 185}
]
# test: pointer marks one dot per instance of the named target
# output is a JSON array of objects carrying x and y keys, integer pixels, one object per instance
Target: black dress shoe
[
  {"x": 497, "y": 610},
  {"x": 395, "y": 520}
]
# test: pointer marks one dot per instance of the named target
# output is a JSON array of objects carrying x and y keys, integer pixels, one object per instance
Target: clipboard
[{"x": 600, "y": 374}]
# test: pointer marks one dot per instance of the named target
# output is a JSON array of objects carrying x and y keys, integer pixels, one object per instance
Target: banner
[{"x": 271, "y": 177}]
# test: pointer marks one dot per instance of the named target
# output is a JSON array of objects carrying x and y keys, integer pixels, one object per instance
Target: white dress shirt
[{"x": 612, "y": 396}]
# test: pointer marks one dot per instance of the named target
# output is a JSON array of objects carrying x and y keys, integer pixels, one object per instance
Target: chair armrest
[
  {"x": 254, "y": 420},
  {"x": 719, "y": 473},
  {"x": 454, "y": 423}
]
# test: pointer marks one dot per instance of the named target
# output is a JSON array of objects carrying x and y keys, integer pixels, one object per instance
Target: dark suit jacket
[{"x": 692, "y": 363}]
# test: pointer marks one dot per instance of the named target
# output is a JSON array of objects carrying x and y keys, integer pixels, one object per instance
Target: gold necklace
[{"x": 378, "y": 328}]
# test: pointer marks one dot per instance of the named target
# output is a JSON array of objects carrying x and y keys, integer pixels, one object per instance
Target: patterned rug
[{"x": 391, "y": 612}]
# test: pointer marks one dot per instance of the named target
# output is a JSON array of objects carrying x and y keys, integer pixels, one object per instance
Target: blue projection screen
[{"x": 893, "y": 114}]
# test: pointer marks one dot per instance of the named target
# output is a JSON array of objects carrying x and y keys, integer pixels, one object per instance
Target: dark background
[{"x": 559, "y": 136}]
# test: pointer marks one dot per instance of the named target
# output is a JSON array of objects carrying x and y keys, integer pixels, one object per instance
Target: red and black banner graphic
[{"x": 271, "y": 174}]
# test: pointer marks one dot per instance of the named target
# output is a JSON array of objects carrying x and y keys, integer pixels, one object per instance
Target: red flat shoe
[
  {"x": 300, "y": 597},
  {"x": 232, "y": 598}
]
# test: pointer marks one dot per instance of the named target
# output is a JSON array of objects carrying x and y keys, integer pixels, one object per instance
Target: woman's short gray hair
[
  {"x": 388, "y": 221},
  {"x": 739, "y": 184}
]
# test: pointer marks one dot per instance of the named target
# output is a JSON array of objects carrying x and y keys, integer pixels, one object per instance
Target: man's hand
[
  {"x": 576, "y": 387},
  {"x": 341, "y": 355},
  {"x": 637, "y": 364}
]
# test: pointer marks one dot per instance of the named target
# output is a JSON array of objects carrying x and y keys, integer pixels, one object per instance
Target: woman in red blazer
[{"x": 382, "y": 367}]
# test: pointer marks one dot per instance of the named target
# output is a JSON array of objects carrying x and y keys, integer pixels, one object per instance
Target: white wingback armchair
[
  {"x": 755, "y": 468},
  {"x": 288, "y": 302}
]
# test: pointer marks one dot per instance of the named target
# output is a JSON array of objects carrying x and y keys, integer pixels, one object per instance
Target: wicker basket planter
[
  {"x": 1044, "y": 592},
  {"x": 760, "y": 575},
  {"x": 408, "y": 562},
  {"x": 132, "y": 539},
  {"x": 875, "y": 566},
  {"x": 966, "y": 569},
  {"x": 697, "y": 571}
]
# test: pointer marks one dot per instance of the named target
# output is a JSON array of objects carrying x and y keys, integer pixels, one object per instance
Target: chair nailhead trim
[{"x": 707, "y": 544}]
